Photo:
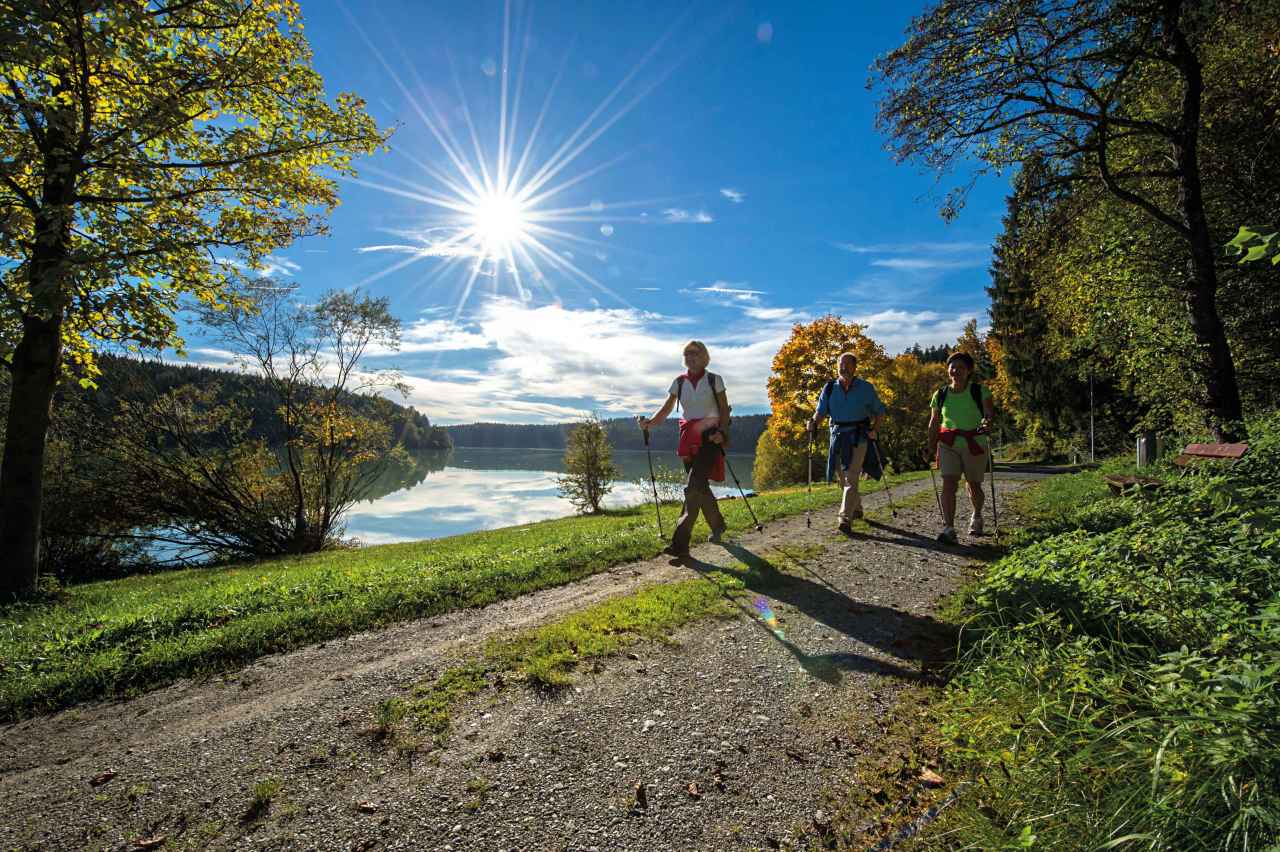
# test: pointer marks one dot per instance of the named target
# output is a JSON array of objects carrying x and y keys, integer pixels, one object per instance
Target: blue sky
[{"x": 717, "y": 175}]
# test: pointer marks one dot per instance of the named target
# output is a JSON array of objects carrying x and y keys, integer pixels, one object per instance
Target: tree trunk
[
  {"x": 36, "y": 366},
  {"x": 1224, "y": 414},
  {"x": 36, "y": 363}
]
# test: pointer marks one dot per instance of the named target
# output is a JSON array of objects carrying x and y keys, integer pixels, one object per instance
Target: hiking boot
[
  {"x": 845, "y": 528},
  {"x": 675, "y": 551},
  {"x": 948, "y": 536},
  {"x": 855, "y": 515},
  {"x": 717, "y": 535},
  {"x": 975, "y": 526}
]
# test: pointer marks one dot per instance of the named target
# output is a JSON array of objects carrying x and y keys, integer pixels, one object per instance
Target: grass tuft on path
[{"x": 122, "y": 637}]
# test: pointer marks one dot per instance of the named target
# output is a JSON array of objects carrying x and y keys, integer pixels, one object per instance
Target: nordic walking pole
[
  {"x": 653, "y": 480},
  {"x": 991, "y": 469},
  {"x": 759, "y": 526},
  {"x": 808, "y": 464},
  {"x": 893, "y": 511},
  {"x": 936, "y": 496}
]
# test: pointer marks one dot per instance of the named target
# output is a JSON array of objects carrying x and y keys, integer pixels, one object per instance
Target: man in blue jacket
[{"x": 855, "y": 410}]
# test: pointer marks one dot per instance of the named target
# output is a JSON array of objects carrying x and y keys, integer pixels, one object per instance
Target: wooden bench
[{"x": 1196, "y": 454}]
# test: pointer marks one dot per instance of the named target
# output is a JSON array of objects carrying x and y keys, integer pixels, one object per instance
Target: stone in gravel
[
  {"x": 148, "y": 842},
  {"x": 648, "y": 723},
  {"x": 367, "y": 807},
  {"x": 693, "y": 791}
]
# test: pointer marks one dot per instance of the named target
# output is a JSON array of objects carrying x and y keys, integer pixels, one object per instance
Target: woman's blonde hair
[{"x": 700, "y": 346}]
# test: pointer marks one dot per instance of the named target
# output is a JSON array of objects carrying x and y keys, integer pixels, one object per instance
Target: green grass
[
  {"x": 1119, "y": 686},
  {"x": 120, "y": 637}
]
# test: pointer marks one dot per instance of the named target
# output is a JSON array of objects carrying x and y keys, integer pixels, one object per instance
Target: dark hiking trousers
[{"x": 698, "y": 497}]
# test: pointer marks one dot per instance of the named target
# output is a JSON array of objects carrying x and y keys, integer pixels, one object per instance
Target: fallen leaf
[
  {"x": 930, "y": 778},
  {"x": 149, "y": 842},
  {"x": 693, "y": 791},
  {"x": 102, "y": 778},
  {"x": 641, "y": 796},
  {"x": 367, "y": 807}
]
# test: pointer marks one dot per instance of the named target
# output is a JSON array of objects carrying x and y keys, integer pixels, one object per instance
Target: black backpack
[{"x": 975, "y": 391}]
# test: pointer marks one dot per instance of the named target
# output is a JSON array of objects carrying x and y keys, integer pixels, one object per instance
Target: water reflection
[{"x": 466, "y": 489}]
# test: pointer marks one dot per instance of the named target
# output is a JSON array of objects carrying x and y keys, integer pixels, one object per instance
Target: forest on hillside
[{"x": 622, "y": 433}]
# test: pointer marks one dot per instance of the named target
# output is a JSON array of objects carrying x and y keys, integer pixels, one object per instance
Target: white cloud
[
  {"x": 274, "y": 265},
  {"x": 679, "y": 215},
  {"x": 440, "y": 336},
  {"x": 926, "y": 263},
  {"x": 898, "y": 330},
  {"x": 440, "y": 248},
  {"x": 913, "y": 248},
  {"x": 774, "y": 314},
  {"x": 552, "y": 363},
  {"x": 732, "y": 289},
  {"x": 734, "y": 195}
]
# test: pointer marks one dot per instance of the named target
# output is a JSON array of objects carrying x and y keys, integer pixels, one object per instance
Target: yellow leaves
[{"x": 804, "y": 364}]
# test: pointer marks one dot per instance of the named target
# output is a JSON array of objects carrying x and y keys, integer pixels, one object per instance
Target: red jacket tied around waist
[
  {"x": 691, "y": 432},
  {"x": 948, "y": 437}
]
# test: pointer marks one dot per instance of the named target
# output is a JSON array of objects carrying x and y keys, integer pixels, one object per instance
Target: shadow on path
[
  {"x": 984, "y": 551},
  {"x": 899, "y": 634}
]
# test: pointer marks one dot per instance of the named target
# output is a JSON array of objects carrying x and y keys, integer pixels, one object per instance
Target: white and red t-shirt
[{"x": 697, "y": 399}]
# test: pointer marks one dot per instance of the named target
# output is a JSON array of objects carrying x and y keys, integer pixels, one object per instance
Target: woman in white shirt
[{"x": 704, "y": 425}]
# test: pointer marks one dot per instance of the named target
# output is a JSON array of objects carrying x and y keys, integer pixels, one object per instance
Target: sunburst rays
[{"x": 495, "y": 212}]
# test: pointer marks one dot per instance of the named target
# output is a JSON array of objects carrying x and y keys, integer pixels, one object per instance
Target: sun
[{"x": 499, "y": 222}]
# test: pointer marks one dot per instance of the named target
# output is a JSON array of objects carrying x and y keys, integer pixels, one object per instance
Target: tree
[
  {"x": 148, "y": 151},
  {"x": 1072, "y": 83},
  {"x": 906, "y": 389},
  {"x": 191, "y": 455},
  {"x": 588, "y": 465}
]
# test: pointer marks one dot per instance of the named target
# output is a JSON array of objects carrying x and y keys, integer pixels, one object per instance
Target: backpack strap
[
  {"x": 975, "y": 391},
  {"x": 711, "y": 377}
]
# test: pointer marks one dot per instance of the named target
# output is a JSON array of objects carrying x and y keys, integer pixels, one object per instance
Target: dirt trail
[{"x": 759, "y": 724}]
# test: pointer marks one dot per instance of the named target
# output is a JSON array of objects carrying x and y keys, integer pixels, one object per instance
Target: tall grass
[{"x": 1120, "y": 682}]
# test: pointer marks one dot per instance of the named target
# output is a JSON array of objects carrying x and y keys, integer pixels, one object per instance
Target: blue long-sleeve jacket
[{"x": 849, "y": 411}]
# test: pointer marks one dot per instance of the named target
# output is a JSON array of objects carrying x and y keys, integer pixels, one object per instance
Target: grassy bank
[
  {"x": 123, "y": 636},
  {"x": 1119, "y": 683}
]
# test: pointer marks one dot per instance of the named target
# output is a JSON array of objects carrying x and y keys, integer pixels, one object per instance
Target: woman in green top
[{"x": 960, "y": 415}]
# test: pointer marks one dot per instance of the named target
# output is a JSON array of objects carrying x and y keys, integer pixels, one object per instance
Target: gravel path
[{"x": 733, "y": 733}]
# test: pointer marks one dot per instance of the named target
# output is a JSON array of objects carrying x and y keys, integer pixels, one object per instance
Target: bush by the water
[{"x": 1120, "y": 684}]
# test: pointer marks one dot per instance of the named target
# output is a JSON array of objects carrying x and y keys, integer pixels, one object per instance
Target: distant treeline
[
  {"x": 622, "y": 431},
  {"x": 124, "y": 377}
]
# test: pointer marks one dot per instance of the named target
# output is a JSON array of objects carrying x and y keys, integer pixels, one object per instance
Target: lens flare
[{"x": 766, "y": 615}]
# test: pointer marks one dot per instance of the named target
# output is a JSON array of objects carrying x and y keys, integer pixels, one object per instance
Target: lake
[{"x": 469, "y": 489}]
